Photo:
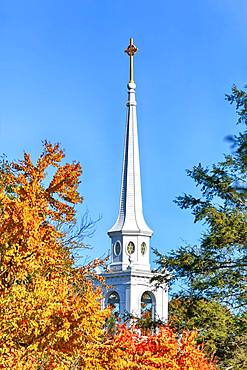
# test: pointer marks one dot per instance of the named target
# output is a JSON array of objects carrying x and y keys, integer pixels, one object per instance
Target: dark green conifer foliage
[{"x": 215, "y": 270}]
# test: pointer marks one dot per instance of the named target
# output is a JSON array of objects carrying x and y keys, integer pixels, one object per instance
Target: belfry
[{"x": 130, "y": 289}]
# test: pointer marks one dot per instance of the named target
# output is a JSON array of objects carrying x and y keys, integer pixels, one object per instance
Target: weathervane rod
[{"x": 131, "y": 50}]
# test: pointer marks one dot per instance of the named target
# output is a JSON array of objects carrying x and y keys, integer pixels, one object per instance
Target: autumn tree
[
  {"x": 50, "y": 314},
  {"x": 129, "y": 349}
]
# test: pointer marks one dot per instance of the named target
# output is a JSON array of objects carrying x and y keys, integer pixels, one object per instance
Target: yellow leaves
[{"x": 50, "y": 315}]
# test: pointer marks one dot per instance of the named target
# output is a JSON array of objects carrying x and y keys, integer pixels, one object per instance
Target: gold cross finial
[{"x": 131, "y": 50}]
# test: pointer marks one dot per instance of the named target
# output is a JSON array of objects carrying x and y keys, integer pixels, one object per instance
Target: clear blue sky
[{"x": 63, "y": 77}]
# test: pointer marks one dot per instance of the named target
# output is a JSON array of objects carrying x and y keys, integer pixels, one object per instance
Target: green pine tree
[{"x": 213, "y": 273}]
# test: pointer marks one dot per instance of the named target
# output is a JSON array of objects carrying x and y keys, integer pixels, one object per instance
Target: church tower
[{"x": 129, "y": 273}]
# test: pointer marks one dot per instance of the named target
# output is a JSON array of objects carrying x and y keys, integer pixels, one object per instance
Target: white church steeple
[
  {"x": 130, "y": 234},
  {"x": 130, "y": 288}
]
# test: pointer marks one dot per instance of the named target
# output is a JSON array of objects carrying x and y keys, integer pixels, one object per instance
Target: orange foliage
[{"x": 50, "y": 315}]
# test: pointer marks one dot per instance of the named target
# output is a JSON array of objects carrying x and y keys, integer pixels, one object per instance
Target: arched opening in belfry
[
  {"x": 147, "y": 306},
  {"x": 114, "y": 302}
]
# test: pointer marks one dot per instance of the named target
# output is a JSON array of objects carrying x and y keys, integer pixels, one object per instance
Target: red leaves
[{"x": 157, "y": 351}]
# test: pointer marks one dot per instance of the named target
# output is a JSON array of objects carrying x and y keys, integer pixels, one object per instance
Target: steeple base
[{"x": 134, "y": 294}]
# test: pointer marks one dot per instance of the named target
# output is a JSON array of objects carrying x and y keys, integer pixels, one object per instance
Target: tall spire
[
  {"x": 128, "y": 277},
  {"x": 130, "y": 218}
]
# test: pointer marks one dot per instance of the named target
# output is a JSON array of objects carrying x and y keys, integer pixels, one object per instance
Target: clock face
[
  {"x": 143, "y": 248},
  {"x": 117, "y": 248},
  {"x": 130, "y": 248}
]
